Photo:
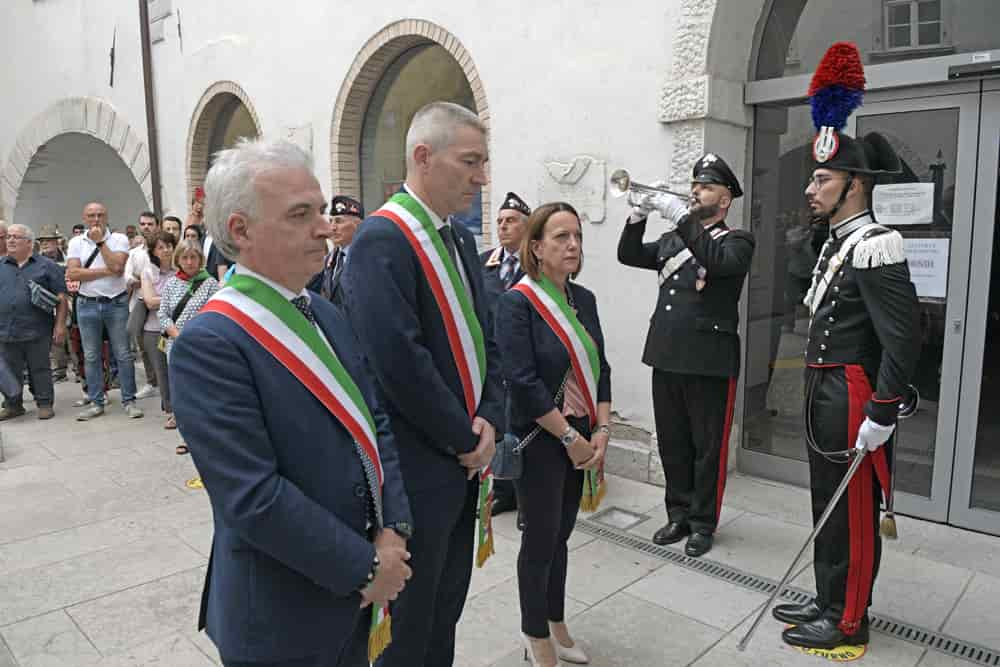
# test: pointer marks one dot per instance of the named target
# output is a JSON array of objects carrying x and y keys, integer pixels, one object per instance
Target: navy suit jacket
[
  {"x": 398, "y": 322},
  {"x": 493, "y": 285},
  {"x": 535, "y": 360},
  {"x": 287, "y": 489}
]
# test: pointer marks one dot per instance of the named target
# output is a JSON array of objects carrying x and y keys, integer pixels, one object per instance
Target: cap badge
[
  {"x": 708, "y": 159},
  {"x": 825, "y": 144}
]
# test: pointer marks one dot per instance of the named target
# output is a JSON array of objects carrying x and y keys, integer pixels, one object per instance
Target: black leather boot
[
  {"x": 797, "y": 614},
  {"x": 670, "y": 533},
  {"x": 824, "y": 633},
  {"x": 698, "y": 544}
]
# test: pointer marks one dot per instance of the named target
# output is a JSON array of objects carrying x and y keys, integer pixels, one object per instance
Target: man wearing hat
[
  {"x": 693, "y": 342},
  {"x": 346, "y": 214},
  {"x": 860, "y": 356},
  {"x": 49, "y": 239},
  {"x": 501, "y": 270}
]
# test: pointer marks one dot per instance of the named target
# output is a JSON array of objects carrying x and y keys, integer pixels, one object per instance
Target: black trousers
[
  {"x": 504, "y": 489},
  {"x": 549, "y": 490},
  {"x": 426, "y": 613},
  {"x": 33, "y": 355},
  {"x": 694, "y": 414},
  {"x": 847, "y": 551},
  {"x": 353, "y": 654}
]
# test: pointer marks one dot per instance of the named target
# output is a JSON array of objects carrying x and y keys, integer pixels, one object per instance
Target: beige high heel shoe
[
  {"x": 529, "y": 653},
  {"x": 573, "y": 654}
]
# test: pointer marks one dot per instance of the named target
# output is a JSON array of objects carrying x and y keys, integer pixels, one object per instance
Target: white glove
[
  {"x": 873, "y": 435},
  {"x": 670, "y": 207}
]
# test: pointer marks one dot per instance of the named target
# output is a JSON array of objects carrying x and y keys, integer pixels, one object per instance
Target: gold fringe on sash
[{"x": 380, "y": 635}]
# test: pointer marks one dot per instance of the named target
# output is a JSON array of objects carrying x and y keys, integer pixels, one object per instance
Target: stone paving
[{"x": 103, "y": 549}]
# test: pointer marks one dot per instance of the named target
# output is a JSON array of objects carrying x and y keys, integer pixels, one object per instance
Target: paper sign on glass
[
  {"x": 928, "y": 260},
  {"x": 904, "y": 204}
]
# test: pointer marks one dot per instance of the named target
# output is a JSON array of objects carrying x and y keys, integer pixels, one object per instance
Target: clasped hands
[
  {"x": 588, "y": 454},
  {"x": 481, "y": 456},
  {"x": 392, "y": 572}
]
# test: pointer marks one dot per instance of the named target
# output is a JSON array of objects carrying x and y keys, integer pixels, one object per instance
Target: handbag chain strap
[{"x": 538, "y": 429}]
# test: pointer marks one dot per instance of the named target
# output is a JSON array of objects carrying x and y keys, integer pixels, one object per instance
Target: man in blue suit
[
  {"x": 415, "y": 296},
  {"x": 278, "y": 408}
]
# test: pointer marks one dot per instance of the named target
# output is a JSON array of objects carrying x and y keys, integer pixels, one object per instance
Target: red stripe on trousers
[
  {"x": 724, "y": 451},
  {"x": 861, "y": 531}
]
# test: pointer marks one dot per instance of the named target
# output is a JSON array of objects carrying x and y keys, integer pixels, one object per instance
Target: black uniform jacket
[
  {"x": 693, "y": 330},
  {"x": 534, "y": 360},
  {"x": 869, "y": 316}
]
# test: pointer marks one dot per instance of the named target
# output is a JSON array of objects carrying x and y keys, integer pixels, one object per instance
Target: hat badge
[
  {"x": 708, "y": 159},
  {"x": 339, "y": 207},
  {"x": 825, "y": 144}
]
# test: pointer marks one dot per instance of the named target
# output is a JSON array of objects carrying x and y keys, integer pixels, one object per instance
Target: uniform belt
[{"x": 99, "y": 299}]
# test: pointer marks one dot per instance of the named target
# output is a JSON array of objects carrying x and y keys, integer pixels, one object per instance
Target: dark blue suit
[
  {"x": 287, "y": 490},
  {"x": 394, "y": 313},
  {"x": 534, "y": 365},
  {"x": 503, "y": 490}
]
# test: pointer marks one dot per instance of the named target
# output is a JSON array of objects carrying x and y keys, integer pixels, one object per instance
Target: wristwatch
[
  {"x": 402, "y": 529},
  {"x": 99, "y": 244},
  {"x": 604, "y": 428},
  {"x": 568, "y": 437}
]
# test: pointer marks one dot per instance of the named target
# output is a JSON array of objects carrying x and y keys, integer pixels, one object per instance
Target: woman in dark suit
[{"x": 574, "y": 433}]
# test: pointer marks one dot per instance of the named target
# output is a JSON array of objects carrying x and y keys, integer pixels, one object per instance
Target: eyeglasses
[
  {"x": 11, "y": 237},
  {"x": 820, "y": 180}
]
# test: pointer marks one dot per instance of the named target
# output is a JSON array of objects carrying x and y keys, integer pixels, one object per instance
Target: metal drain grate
[{"x": 937, "y": 641}]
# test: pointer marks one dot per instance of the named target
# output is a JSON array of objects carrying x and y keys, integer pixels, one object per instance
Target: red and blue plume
[{"x": 837, "y": 87}]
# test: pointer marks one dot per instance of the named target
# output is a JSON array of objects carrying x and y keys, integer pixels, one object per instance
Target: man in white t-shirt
[
  {"x": 138, "y": 261},
  {"x": 97, "y": 260}
]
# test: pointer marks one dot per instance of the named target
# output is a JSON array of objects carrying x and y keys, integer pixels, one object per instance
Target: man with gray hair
[
  {"x": 298, "y": 459},
  {"x": 28, "y": 321},
  {"x": 415, "y": 295}
]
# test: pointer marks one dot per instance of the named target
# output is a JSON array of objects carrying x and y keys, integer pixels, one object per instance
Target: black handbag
[
  {"x": 507, "y": 462},
  {"x": 42, "y": 298}
]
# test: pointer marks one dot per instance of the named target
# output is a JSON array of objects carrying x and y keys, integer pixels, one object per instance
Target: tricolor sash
[
  {"x": 585, "y": 361},
  {"x": 465, "y": 334},
  {"x": 278, "y": 326}
]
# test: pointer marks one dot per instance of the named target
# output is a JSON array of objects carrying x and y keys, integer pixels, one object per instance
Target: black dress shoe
[
  {"x": 797, "y": 614},
  {"x": 670, "y": 533},
  {"x": 698, "y": 544},
  {"x": 503, "y": 504},
  {"x": 824, "y": 633}
]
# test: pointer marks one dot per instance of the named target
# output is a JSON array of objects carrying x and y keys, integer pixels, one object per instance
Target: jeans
[
  {"x": 33, "y": 354},
  {"x": 93, "y": 316}
]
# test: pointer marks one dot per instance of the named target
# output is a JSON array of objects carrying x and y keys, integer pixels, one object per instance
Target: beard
[{"x": 703, "y": 212}]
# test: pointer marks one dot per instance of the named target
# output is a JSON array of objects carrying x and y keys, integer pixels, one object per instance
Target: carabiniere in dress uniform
[{"x": 693, "y": 342}]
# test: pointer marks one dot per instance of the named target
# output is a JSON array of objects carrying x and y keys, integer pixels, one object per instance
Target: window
[{"x": 911, "y": 24}]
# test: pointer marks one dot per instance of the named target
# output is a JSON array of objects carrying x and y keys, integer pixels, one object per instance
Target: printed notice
[
  {"x": 904, "y": 204},
  {"x": 928, "y": 260}
]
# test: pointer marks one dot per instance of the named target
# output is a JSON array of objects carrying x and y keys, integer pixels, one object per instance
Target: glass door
[
  {"x": 975, "y": 498},
  {"x": 931, "y": 205}
]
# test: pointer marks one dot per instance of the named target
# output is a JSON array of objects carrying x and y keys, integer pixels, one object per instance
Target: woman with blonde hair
[
  {"x": 559, "y": 384},
  {"x": 183, "y": 296}
]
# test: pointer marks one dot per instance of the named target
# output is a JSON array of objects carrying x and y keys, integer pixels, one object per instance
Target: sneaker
[
  {"x": 146, "y": 391},
  {"x": 11, "y": 413},
  {"x": 133, "y": 411},
  {"x": 81, "y": 402},
  {"x": 46, "y": 413},
  {"x": 90, "y": 413}
]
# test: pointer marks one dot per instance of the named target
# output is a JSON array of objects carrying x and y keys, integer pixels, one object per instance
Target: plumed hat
[{"x": 836, "y": 90}]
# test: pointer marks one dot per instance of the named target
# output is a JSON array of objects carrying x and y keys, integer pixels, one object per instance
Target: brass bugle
[{"x": 622, "y": 184}]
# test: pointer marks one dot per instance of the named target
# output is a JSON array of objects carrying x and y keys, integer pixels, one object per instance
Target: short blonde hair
[{"x": 184, "y": 246}]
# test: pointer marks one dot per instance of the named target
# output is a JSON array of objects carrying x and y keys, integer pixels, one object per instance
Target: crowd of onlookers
[{"x": 86, "y": 306}]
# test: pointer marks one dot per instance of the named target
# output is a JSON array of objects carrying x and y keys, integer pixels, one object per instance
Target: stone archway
[
  {"x": 213, "y": 102},
  {"x": 371, "y": 63},
  {"x": 84, "y": 115}
]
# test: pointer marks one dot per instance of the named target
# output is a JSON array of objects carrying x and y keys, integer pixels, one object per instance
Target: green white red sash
[
  {"x": 453, "y": 299},
  {"x": 465, "y": 334},
  {"x": 585, "y": 362},
  {"x": 584, "y": 359},
  {"x": 278, "y": 326}
]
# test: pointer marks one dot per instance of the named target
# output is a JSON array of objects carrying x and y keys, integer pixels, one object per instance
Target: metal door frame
[
  {"x": 935, "y": 507},
  {"x": 960, "y": 512}
]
